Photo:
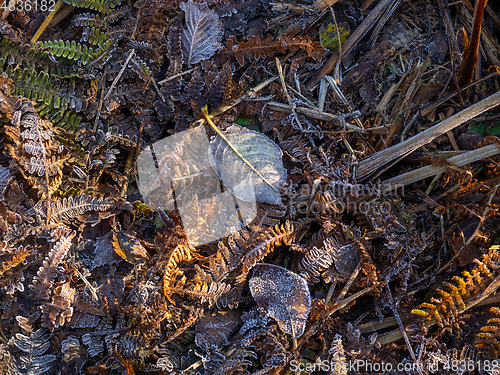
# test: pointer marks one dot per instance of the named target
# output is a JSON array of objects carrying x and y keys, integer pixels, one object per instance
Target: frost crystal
[{"x": 283, "y": 294}]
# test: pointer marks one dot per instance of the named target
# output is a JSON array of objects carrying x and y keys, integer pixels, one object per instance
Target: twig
[
  {"x": 382, "y": 159},
  {"x": 243, "y": 97},
  {"x": 176, "y": 75},
  {"x": 336, "y": 72},
  {"x": 343, "y": 99},
  {"x": 316, "y": 326},
  {"x": 280, "y": 107},
  {"x": 479, "y": 300},
  {"x": 382, "y": 22},
  {"x": 93, "y": 291},
  {"x": 288, "y": 97},
  {"x": 458, "y": 161},
  {"x": 348, "y": 285},
  {"x": 466, "y": 70},
  {"x": 117, "y": 78},
  {"x": 6, "y": 11},
  {"x": 67, "y": 10},
  {"x": 101, "y": 101},
  {"x": 323, "y": 4},
  {"x": 428, "y": 108},
  {"x": 323, "y": 88},
  {"x": 391, "y": 322},
  {"x": 394, "y": 309},
  {"x": 46, "y": 22}
]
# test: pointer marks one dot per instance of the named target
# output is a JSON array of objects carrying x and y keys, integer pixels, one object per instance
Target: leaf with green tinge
[
  {"x": 329, "y": 38},
  {"x": 254, "y": 172},
  {"x": 481, "y": 128}
]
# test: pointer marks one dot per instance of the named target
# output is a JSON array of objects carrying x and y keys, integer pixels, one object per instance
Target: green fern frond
[
  {"x": 140, "y": 68},
  {"x": 26, "y": 56},
  {"x": 98, "y": 5},
  {"x": 94, "y": 36},
  {"x": 42, "y": 87},
  {"x": 74, "y": 51},
  {"x": 88, "y": 20},
  {"x": 67, "y": 120}
]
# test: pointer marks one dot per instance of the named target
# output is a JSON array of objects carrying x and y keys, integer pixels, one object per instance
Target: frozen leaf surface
[
  {"x": 283, "y": 294},
  {"x": 202, "y": 36},
  {"x": 213, "y": 333},
  {"x": 238, "y": 177}
]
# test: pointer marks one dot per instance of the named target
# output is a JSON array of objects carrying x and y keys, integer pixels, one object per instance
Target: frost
[
  {"x": 203, "y": 34},
  {"x": 283, "y": 294}
]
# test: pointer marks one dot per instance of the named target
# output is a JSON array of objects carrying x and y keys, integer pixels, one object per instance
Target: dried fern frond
[
  {"x": 11, "y": 257},
  {"x": 213, "y": 333},
  {"x": 42, "y": 283},
  {"x": 73, "y": 352},
  {"x": 317, "y": 260},
  {"x": 453, "y": 302},
  {"x": 68, "y": 209},
  {"x": 39, "y": 156},
  {"x": 94, "y": 343},
  {"x": 32, "y": 359},
  {"x": 338, "y": 360},
  {"x": 284, "y": 234},
  {"x": 60, "y": 310},
  {"x": 489, "y": 335},
  {"x": 5, "y": 178},
  {"x": 181, "y": 254},
  {"x": 204, "y": 288},
  {"x": 267, "y": 47}
]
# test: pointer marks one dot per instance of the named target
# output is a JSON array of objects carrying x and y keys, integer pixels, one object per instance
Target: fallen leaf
[{"x": 283, "y": 294}]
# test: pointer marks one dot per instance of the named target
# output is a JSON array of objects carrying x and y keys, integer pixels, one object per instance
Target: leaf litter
[{"x": 142, "y": 231}]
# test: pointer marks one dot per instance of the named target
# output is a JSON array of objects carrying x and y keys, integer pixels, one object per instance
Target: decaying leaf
[
  {"x": 283, "y": 294},
  {"x": 212, "y": 332},
  {"x": 202, "y": 36},
  {"x": 239, "y": 178},
  {"x": 329, "y": 37}
]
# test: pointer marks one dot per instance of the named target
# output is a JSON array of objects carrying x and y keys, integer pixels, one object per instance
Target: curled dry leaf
[
  {"x": 258, "y": 184},
  {"x": 283, "y": 294},
  {"x": 129, "y": 248}
]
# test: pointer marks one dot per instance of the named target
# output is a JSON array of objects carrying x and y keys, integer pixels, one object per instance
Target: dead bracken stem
[{"x": 383, "y": 158}]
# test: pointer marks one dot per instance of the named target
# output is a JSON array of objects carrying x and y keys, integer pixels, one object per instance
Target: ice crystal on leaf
[
  {"x": 202, "y": 37},
  {"x": 283, "y": 294}
]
